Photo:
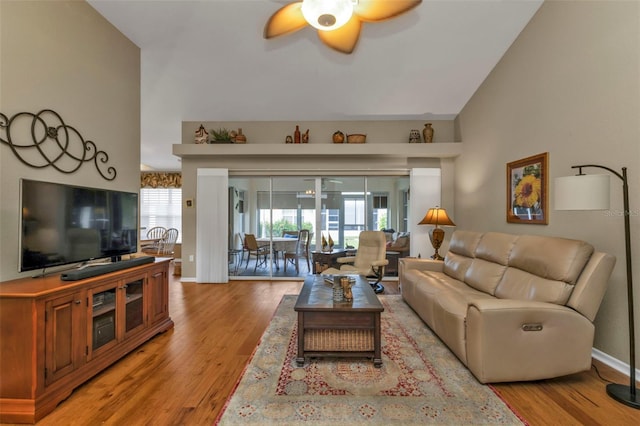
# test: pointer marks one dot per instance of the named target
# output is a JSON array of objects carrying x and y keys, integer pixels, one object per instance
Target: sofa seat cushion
[
  {"x": 425, "y": 286},
  {"x": 449, "y": 318}
]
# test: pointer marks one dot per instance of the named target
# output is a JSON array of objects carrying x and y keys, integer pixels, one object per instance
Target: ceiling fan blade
[
  {"x": 380, "y": 10},
  {"x": 286, "y": 20},
  {"x": 345, "y": 38}
]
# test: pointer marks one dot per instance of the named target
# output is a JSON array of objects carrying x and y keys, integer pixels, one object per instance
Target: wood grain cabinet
[
  {"x": 64, "y": 325},
  {"x": 159, "y": 297},
  {"x": 57, "y": 334}
]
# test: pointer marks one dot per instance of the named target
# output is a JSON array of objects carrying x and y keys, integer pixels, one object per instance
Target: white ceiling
[{"x": 207, "y": 61}]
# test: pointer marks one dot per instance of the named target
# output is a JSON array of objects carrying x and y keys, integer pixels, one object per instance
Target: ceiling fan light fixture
[{"x": 327, "y": 15}]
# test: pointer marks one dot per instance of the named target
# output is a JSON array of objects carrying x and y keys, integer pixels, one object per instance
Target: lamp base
[
  {"x": 622, "y": 393},
  {"x": 436, "y": 256},
  {"x": 436, "y": 235}
]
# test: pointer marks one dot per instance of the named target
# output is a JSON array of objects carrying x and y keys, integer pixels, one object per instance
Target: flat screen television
[{"x": 63, "y": 224}]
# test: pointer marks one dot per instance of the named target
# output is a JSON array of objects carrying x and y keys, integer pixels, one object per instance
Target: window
[
  {"x": 380, "y": 212},
  {"x": 161, "y": 207}
]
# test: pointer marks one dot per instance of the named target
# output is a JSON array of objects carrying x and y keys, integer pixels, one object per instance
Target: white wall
[
  {"x": 570, "y": 86},
  {"x": 64, "y": 56}
]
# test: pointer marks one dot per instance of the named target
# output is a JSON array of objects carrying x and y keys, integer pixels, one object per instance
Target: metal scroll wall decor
[
  {"x": 43, "y": 139},
  {"x": 161, "y": 180}
]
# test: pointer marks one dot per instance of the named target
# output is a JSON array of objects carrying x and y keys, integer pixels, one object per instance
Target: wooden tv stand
[{"x": 57, "y": 334}]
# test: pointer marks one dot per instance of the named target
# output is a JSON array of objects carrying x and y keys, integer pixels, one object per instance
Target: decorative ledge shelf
[{"x": 406, "y": 150}]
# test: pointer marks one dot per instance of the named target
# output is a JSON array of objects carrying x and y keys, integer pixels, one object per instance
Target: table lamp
[
  {"x": 436, "y": 216},
  {"x": 591, "y": 192}
]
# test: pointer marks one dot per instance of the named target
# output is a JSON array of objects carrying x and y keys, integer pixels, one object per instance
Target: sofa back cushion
[
  {"x": 554, "y": 258},
  {"x": 526, "y": 267},
  {"x": 461, "y": 252},
  {"x": 490, "y": 262},
  {"x": 543, "y": 269}
]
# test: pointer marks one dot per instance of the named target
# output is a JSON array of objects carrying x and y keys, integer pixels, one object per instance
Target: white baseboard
[
  {"x": 612, "y": 362},
  {"x": 188, "y": 279}
]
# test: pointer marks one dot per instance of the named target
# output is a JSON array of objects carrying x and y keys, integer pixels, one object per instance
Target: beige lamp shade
[
  {"x": 437, "y": 216},
  {"x": 582, "y": 192}
]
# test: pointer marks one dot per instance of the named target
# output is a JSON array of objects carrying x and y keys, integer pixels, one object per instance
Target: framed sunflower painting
[{"x": 527, "y": 190}]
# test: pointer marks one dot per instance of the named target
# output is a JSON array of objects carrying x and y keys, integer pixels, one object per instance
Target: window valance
[{"x": 161, "y": 180}]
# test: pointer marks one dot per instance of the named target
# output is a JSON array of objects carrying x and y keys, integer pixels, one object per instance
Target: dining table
[{"x": 279, "y": 245}]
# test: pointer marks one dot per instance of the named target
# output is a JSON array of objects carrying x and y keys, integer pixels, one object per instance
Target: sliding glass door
[{"x": 337, "y": 208}]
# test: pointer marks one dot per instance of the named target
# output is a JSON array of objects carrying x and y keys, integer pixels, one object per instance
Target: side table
[
  {"x": 322, "y": 260},
  {"x": 392, "y": 267}
]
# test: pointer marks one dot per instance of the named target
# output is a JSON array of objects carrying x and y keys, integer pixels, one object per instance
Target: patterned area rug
[{"x": 420, "y": 382}]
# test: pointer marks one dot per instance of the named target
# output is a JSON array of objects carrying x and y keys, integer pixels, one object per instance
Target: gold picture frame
[{"x": 528, "y": 190}]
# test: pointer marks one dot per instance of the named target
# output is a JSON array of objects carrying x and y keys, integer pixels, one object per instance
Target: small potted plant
[{"x": 220, "y": 136}]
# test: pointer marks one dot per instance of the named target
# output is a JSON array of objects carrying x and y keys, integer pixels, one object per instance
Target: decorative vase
[
  {"x": 240, "y": 138},
  {"x": 338, "y": 137},
  {"x": 288, "y": 139},
  {"x": 296, "y": 135},
  {"x": 305, "y": 137},
  {"x": 427, "y": 133},
  {"x": 346, "y": 289},
  {"x": 330, "y": 242},
  {"x": 414, "y": 136},
  {"x": 324, "y": 243}
]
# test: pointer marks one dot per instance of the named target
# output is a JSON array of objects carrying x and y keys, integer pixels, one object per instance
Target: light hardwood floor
[{"x": 184, "y": 376}]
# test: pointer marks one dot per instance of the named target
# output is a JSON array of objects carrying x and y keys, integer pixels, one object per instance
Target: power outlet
[{"x": 190, "y": 258}]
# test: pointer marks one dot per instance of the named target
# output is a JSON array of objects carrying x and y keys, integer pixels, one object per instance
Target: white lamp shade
[
  {"x": 582, "y": 192},
  {"x": 327, "y": 15}
]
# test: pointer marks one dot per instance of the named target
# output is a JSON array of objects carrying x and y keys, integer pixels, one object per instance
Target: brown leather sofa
[{"x": 511, "y": 307}]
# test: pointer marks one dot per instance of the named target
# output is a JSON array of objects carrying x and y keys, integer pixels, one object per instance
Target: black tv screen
[{"x": 63, "y": 224}]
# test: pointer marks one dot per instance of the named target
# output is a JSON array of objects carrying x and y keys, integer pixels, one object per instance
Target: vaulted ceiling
[{"x": 208, "y": 61}]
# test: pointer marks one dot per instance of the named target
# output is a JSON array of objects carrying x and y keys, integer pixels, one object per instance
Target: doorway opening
[{"x": 273, "y": 209}]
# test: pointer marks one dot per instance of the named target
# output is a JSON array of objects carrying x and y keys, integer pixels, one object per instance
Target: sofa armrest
[
  {"x": 421, "y": 264},
  {"x": 348, "y": 259},
  {"x": 514, "y": 340}
]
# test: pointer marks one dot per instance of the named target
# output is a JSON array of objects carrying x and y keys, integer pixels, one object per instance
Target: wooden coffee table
[{"x": 338, "y": 329}]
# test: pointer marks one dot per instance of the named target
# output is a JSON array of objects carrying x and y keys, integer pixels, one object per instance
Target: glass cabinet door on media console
[
  {"x": 117, "y": 309},
  {"x": 134, "y": 312}
]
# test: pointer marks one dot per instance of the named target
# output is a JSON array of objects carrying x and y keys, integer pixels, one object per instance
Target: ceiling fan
[{"x": 338, "y": 21}]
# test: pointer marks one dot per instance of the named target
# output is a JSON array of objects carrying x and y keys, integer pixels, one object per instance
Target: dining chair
[
  {"x": 301, "y": 251},
  {"x": 168, "y": 241},
  {"x": 286, "y": 234},
  {"x": 260, "y": 252},
  {"x": 242, "y": 244},
  {"x": 156, "y": 233}
]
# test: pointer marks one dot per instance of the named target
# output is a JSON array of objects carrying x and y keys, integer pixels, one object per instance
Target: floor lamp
[{"x": 591, "y": 192}]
